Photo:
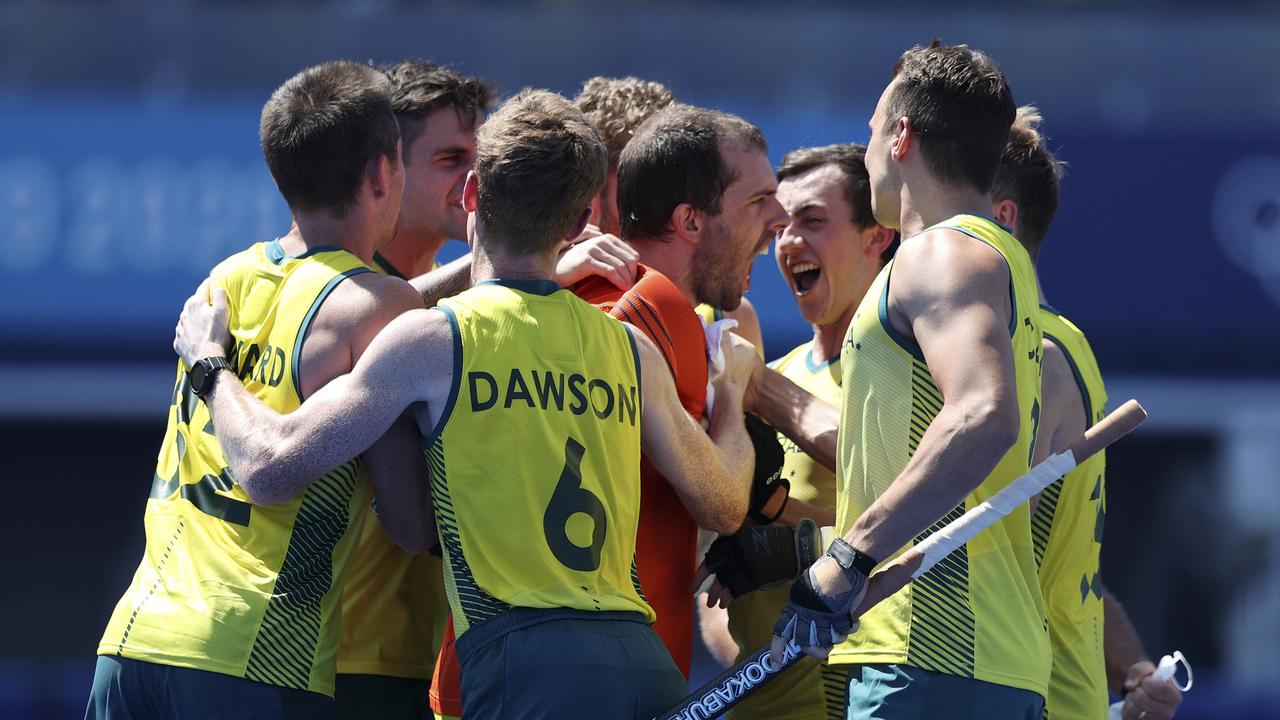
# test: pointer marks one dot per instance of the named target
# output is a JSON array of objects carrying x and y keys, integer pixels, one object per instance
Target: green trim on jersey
[
  {"x": 1067, "y": 532},
  {"x": 979, "y": 613},
  {"x": 227, "y": 586}
]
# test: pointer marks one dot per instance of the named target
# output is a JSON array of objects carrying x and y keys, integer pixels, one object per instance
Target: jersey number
[
  {"x": 1035, "y": 430},
  {"x": 203, "y": 495},
  {"x": 569, "y": 499}
]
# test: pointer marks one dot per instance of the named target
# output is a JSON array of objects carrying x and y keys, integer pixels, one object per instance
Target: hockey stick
[{"x": 734, "y": 684}]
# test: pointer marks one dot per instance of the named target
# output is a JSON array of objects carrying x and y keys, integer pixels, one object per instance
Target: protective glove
[
  {"x": 819, "y": 614},
  {"x": 767, "y": 481},
  {"x": 762, "y": 558}
]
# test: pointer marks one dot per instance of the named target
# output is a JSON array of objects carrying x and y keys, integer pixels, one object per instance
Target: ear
[
  {"x": 686, "y": 222},
  {"x": 904, "y": 139},
  {"x": 471, "y": 192},
  {"x": 379, "y": 173},
  {"x": 1005, "y": 212},
  {"x": 878, "y": 240},
  {"x": 583, "y": 218}
]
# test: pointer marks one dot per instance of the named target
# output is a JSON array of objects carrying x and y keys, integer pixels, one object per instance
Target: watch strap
[{"x": 849, "y": 557}]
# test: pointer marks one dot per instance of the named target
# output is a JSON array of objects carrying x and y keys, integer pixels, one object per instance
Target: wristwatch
[
  {"x": 847, "y": 557},
  {"x": 204, "y": 372}
]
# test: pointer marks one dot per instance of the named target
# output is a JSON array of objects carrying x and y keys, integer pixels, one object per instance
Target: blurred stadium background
[{"x": 129, "y": 164}]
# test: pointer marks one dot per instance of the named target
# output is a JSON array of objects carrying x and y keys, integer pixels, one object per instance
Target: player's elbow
[
  {"x": 726, "y": 518},
  {"x": 998, "y": 423}
]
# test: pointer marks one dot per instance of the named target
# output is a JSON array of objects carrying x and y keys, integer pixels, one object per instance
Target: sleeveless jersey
[
  {"x": 393, "y": 604},
  {"x": 225, "y": 585},
  {"x": 535, "y": 462},
  {"x": 666, "y": 544},
  {"x": 1067, "y": 530},
  {"x": 709, "y": 314},
  {"x": 978, "y": 613},
  {"x": 799, "y": 693}
]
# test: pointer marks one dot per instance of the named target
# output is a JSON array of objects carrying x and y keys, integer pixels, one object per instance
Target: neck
[
  {"x": 1039, "y": 285},
  {"x": 412, "y": 255},
  {"x": 351, "y": 233},
  {"x": 668, "y": 257},
  {"x": 925, "y": 204},
  {"x": 828, "y": 338},
  {"x": 489, "y": 263}
]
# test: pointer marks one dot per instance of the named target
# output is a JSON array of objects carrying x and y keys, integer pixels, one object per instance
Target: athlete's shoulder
[{"x": 944, "y": 261}]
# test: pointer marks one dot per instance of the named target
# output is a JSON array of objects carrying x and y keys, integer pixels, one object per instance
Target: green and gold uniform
[
  {"x": 225, "y": 585},
  {"x": 978, "y": 614},
  {"x": 1067, "y": 530},
  {"x": 535, "y": 435},
  {"x": 535, "y": 469},
  {"x": 802, "y": 692},
  {"x": 393, "y": 617}
]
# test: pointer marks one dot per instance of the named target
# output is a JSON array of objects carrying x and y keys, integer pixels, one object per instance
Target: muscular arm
[
  {"x": 809, "y": 421},
  {"x": 409, "y": 361},
  {"x": 952, "y": 293},
  {"x": 711, "y": 474}
]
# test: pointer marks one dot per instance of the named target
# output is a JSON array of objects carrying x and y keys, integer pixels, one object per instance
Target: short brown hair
[
  {"x": 539, "y": 163},
  {"x": 618, "y": 106},
  {"x": 851, "y": 159},
  {"x": 1030, "y": 176},
  {"x": 419, "y": 88},
  {"x": 960, "y": 107},
  {"x": 322, "y": 128},
  {"x": 675, "y": 157}
]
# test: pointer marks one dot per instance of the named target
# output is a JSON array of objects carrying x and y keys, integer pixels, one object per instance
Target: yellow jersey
[
  {"x": 535, "y": 463},
  {"x": 225, "y": 585},
  {"x": 978, "y": 613},
  {"x": 1067, "y": 530},
  {"x": 393, "y": 604},
  {"x": 798, "y": 694}
]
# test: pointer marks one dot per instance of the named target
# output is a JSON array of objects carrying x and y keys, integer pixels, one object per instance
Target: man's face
[
  {"x": 435, "y": 168},
  {"x": 750, "y": 216},
  {"x": 885, "y": 201},
  {"x": 820, "y": 253}
]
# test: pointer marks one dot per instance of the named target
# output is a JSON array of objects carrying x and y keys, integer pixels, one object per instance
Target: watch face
[{"x": 199, "y": 376}]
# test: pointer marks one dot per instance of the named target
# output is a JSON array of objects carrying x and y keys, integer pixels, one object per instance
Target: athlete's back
[{"x": 223, "y": 586}]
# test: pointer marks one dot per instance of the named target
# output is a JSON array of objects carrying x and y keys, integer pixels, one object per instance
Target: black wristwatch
[
  {"x": 204, "y": 372},
  {"x": 847, "y": 556}
]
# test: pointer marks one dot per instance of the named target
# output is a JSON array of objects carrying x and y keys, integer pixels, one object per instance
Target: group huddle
[{"x": 493, "y": 488}]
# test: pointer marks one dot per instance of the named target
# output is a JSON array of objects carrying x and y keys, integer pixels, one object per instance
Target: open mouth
[{"x": 804, "y": 276}]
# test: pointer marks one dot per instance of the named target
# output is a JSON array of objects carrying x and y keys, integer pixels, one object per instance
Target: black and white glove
[
  {"x": 818, "y": 615},
  {"x": 769, "y": 490},
  {"x": 763, "y": 557}
]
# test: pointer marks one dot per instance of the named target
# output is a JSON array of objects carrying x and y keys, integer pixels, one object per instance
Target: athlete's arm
[
  {"x": 402, "y": 486},
  {"x": 1062, "y": 411},
  {"x": 342, "y": 329},
  {"x": 796, "y": 510},
  {"x": 811, "y": 422},
  {"x": 1129, "y": 669},
  {"x": 409, "y": 361},
  {"x": 444, "y": 281},
  {"x": 603, "y": 255},
  {"x": 711, "y": 474},
  {"x": 951, "y": 294}
]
